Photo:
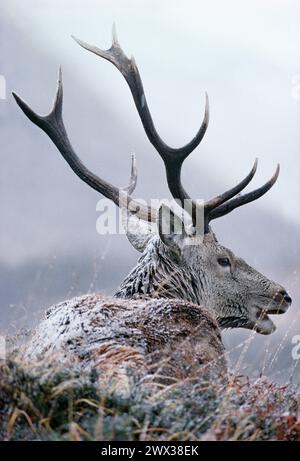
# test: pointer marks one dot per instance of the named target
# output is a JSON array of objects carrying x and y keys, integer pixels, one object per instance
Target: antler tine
[
  {"x": 220, "y": 199},
  {"x": 52, "y": 124},
  {"x": 244, "y": 199},
  {"x": 133, "y": 176}
]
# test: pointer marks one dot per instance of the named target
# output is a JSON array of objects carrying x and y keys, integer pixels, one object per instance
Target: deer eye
[{"x": 224, "y": 262}]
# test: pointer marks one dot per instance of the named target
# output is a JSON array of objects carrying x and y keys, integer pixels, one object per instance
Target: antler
[
  {"x": 53, "y": 125},
  {"x": 174, "y": 158}
]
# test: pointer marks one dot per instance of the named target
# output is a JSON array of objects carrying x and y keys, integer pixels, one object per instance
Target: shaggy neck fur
[{"x": 158, "y": 274}]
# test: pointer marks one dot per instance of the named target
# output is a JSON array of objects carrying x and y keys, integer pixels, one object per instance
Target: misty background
[{"x": 245, "y": 54}]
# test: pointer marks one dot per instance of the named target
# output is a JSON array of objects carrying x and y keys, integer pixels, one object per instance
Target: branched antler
[
  {"x": 53, "y": 125},
  {"x": 173, "y": 158}
]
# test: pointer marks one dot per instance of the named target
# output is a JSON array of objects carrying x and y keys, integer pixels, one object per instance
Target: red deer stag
[{"x": 185, "y": 265}]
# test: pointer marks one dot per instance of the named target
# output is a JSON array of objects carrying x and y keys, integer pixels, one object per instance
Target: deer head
[{"x": 184, "y": 261}]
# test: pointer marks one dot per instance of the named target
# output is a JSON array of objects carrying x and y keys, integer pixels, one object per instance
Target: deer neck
[{"x": 158, "y": 275}]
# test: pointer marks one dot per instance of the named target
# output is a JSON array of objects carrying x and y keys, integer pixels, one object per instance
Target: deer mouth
[
  {"x": 261, "y": 322},
  {"x": 264, "y": 306}
]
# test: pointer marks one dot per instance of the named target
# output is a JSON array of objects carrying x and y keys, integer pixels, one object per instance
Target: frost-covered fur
[{"x": 161, "y": 339}]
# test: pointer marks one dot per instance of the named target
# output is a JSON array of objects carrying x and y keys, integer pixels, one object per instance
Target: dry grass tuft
[{"x": 46, "y": 402}]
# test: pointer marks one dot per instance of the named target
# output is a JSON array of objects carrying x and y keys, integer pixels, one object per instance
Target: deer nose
[
  {"x": 283, "y": 295},
  {"x": 287, "y": 298}
]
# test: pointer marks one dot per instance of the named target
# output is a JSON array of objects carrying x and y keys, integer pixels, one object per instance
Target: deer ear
[
  {"x": 170, "y": 227},
  {"x": 138, "y": 232}
]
